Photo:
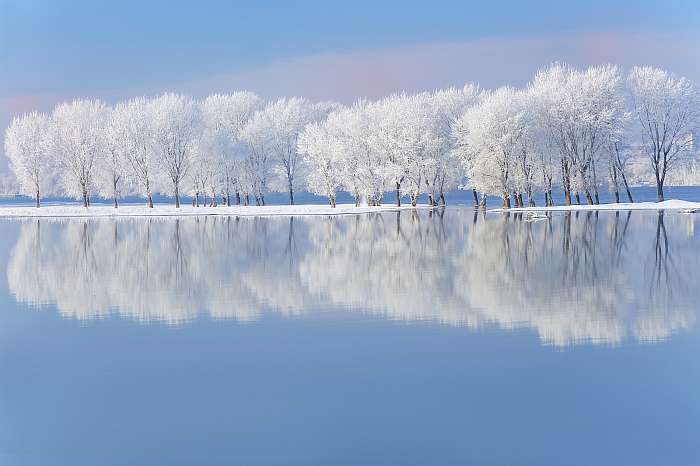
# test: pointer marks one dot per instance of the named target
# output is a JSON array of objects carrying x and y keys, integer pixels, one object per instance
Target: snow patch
[
  {"x": 671, "y": 204},
  {"x": 66, "y": 211}
]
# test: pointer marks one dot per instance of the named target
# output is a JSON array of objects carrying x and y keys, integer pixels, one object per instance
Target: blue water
[{"x": 398, "y": 338}]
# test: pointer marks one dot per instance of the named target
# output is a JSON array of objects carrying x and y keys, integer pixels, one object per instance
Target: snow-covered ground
[
  {"x": 188, "y": 210},
  {"x": 671, "y": 204}
]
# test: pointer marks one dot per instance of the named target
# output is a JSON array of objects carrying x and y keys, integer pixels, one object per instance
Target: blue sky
[
  {"x": 88, "y": 46},
  {"x": 52, "y": 51}
]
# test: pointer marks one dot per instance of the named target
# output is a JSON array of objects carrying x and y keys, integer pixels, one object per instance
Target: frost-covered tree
[
  {"x": 419, "y": 141},
  {"x": 78, "y": 140},
  {"x": 527, "y": 162},
  {"x": 277, "y": 127},
  {"x": 578, "y": 109},
  {"x": 667, "y": 109},
  {"x": 444, "y": 171},
  {"x": 28, "y": 151},
  {"x": 543, "y": 136},
  {"x": 258, "y": 162},
  {"x": 392, "y": 137},
  {"x": 176, "y": 125},
  {"x": 320, "y": 145},
  {"x": 112, "y": 168},
  {"x": 224, "y": 116},
  {"x": 618, "y": 157},
  {"x": 206, "y": 176},
  {"x": 411, "y": 141},
  {"x": 131, "y": 131},
  {"x": 549, "y": 100},
  {"x": 603, "y": 115},
  {"x": 618, "y": 154},
  {"x": 489, "y": 136},
  {"x": 364, "y": 176},
  {"x": 199, "y": 176}
]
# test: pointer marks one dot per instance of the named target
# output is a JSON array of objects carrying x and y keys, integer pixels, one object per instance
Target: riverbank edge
[
  {"x": 671, "y": 204},
  {"x": 107, "y": 211}
]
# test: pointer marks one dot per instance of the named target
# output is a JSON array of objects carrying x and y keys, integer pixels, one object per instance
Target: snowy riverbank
[
  {"x": 61, "y": 211},
  {"x": 671, "y": 204}
]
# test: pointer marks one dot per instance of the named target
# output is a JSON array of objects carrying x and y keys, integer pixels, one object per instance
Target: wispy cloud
[{"x": 490, "y": 61}]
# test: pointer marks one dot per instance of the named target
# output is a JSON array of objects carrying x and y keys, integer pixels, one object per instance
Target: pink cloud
[{"x": 490, "y": 61}]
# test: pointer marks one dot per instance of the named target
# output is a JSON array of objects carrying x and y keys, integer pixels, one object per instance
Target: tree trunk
[
  {"x": 177, "y": 196},
  {"x": 398, "y": 194},
  {"x": 578, "y": 199},
  {"x": 589, "y": 199},
  {"x": 442, "y": 199},
  {"x": 85, "y": 202},
  {"x": 617, "y": 196},
  {"x": 238, "y": 198},
  {"x": 291, "y": 194},
  {"x": 482, "y": 203},
  {"x": 37, "y": 199},
  {"x": 115, "y": 180},
  {"x": 627, "y": 187},
  {"x": 430, "y": 199},
  {"x": 506, "y": 201},
  {"x": 567, "y": 197},
  {"x": 659, "y": 190},
  {"x": 476, "y": 198},
  {"x": 150, "y": 201}
]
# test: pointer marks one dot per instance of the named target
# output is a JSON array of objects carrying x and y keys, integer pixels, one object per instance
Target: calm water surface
[{"x": 414, "y": 338}]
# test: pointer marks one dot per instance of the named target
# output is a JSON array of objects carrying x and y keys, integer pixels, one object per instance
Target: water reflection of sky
[{"x": 330, "y": 341}]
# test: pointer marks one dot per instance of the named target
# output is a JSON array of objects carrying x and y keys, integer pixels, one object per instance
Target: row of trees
[
  {"x": 218, "y": 147},
  {"x": 576, "y": 130},
  {"x": 579, "y": 129}
]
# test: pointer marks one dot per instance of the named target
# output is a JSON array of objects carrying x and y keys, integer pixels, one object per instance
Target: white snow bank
[
  {"x": 672, "y": 204},
  {"x": 65, "y": 211}
]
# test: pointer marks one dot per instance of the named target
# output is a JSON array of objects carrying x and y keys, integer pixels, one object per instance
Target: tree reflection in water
[{"x": 572, "y": 278}]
